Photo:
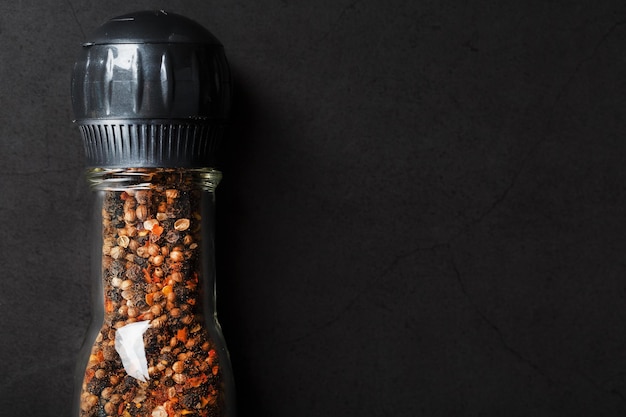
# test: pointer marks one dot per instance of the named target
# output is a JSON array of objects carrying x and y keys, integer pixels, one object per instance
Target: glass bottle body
[{"x": 155, "y": 347}]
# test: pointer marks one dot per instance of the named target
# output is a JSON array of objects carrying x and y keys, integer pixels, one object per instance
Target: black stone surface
[{"x": 422, "y": 212}]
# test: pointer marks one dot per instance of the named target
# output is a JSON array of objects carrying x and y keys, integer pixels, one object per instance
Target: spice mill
[{"x": 151, "y": 95}]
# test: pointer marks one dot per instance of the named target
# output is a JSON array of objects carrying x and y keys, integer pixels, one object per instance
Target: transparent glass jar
[{"x": 155, "y": 347}]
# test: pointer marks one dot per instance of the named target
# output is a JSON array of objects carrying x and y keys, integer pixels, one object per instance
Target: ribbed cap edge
[{"x": 137, "y": 143}]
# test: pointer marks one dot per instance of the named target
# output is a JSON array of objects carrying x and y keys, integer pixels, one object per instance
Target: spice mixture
[{"x": 153, "y": 356}]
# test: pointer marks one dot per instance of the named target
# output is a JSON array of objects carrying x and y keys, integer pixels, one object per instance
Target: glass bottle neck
[
  {"x": 157, "y": 229},
  {"x": 122, "y": 179}
]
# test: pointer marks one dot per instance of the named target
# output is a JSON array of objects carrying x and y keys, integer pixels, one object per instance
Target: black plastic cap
[{"x": 151, "y": 89}]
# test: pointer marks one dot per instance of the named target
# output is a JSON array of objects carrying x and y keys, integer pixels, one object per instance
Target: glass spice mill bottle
[{"x": 150, "y": 94}]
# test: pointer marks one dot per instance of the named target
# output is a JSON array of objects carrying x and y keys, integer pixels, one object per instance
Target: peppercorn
[
  {"x": 133, "y": 273},
  {"x": 96, "y": 385},
  {"x": 190, "y": 399}
]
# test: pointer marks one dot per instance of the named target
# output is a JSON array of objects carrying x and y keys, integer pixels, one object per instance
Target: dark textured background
[{"x": 422, "y": 213}]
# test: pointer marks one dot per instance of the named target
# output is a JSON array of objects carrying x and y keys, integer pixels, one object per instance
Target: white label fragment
[{"x": 129, "y": 345}]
